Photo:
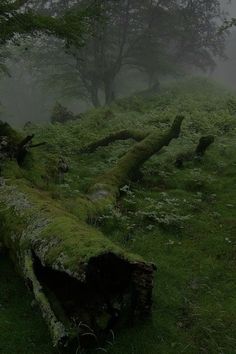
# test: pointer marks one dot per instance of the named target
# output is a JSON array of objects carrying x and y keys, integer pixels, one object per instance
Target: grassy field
[{"x": 183, "y": 220}]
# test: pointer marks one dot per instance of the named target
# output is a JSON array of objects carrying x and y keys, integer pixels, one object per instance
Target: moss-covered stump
[
  {"x": 204, "y": 143},
  {"x": 81, "y": 280}
]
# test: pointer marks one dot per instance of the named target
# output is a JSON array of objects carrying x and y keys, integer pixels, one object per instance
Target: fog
[
  {"x": 24, "y": 99},
  {"x": 225, "y": 72}
]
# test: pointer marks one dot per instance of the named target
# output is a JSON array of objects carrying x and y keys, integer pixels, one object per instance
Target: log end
[{"x": 114, "y": 289}]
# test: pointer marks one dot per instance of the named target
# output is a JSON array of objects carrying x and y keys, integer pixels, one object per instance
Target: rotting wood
[
  {"x": 52, "y": 247},
  {"x": 111, "y": 138}
]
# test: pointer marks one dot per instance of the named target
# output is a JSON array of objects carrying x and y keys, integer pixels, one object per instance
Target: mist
[
  {"x": 24, "y": 98},
  {"x": 117, "y": 176},
  {"x": 225, "y": 72}
]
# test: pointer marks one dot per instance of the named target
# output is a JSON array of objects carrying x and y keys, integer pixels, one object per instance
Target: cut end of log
[{"x": 114, "y": 289}]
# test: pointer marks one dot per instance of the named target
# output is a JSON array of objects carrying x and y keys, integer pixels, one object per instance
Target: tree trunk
[
  {"x": 107, "y": 186},
  {"x": 109, "y": 90},
  {"x": 76, "y": 274},
  {"x": 204, "y": 143},
  {"x": 94, "y": 97}
]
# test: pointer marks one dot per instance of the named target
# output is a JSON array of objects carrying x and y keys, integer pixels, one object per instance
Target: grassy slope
[{"x": 183, "y": 220}]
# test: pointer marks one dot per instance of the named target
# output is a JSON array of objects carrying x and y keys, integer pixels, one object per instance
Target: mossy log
[
  {"x": 79, "y": 278},
  {"x": 13, "y": 145},
  {"x": 136, "y": 135},
  {"x": 76, "y": 274},
  {"x": 107, "y": 186},
  {"x": 204, "y": 143}
]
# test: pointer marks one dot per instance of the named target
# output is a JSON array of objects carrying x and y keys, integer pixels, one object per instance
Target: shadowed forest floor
[
  {"x": 22, "y": 330},
  {"x": 183, "y": 220}
]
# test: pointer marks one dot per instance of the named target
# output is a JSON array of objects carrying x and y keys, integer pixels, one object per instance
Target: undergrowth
[{"x": 183, "y": 220}]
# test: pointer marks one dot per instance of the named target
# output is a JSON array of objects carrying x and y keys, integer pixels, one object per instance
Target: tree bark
[
  {"x": 109, "y": 91},
  {"x": 94, "y": 97},
  {"x": 76, "y": 274}
]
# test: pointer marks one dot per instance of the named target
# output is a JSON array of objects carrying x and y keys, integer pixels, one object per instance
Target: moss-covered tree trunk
[
  {"x": 204, "y": 143},
  {"x": 136, "y": 135},
  {"x": 108, "y": 184},
  {"x": 79, "y": 278}
]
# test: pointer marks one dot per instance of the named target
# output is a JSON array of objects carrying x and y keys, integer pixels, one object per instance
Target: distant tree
[
  {"x": 180, "y": 34},
  {"x": 198, "y": 40},
  {"x": 21, "y": 17},
  {"x": 227, "y": 25},
  {"x": 156, "y": 37}
]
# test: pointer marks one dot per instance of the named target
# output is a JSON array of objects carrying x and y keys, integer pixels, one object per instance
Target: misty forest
[{"x": 117, "y": 176}]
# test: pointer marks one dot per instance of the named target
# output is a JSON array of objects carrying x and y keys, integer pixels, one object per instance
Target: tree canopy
[
  {"x": 25, "y": 17},
  {"x": 157, "y": 38}
]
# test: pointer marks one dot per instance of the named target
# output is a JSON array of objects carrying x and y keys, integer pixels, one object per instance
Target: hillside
[{"x": 181, "y": 219}]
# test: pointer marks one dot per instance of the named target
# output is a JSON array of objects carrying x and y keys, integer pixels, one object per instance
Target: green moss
[
  {"x": 51, "y": 232},
  {"x": 6, "y": 130},
  {"x": 194, "y": 302}
]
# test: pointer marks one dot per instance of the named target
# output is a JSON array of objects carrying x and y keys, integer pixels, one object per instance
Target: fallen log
[
  {"x": 107, "y": 186},
  {"x": 78, "y": 277},
  {"x": 76, "y": 274},
  {"x": 120, "y": 135}
]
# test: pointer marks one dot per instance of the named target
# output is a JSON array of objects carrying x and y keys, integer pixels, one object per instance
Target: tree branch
[
  {"x": 121, "y": 135},
  {"x": 107, "y": 186},
  {"x": 204, "y": 143}
]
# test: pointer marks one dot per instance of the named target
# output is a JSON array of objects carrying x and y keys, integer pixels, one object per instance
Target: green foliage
[
  {"x": 17, "y": 20},
  {"x": 227, "y": 25},
  {"x": 155, "y": 38},
  {"x": 182, "y": 220}
]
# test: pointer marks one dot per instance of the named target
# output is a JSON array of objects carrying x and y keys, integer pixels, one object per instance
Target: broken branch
[
  {"x": 107, "y": 186},
  {"x": 121, "y": 135}
]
